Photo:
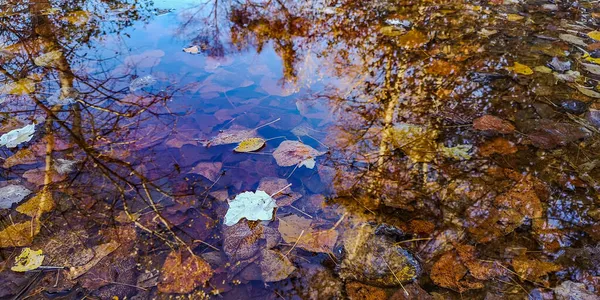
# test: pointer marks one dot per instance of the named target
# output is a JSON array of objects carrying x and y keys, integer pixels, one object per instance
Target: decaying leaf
[
  {"x": 450, "y": 273},
  {"x": 520, "y": 68},
  {"x": 412, "y": 39},
  {"x": 28, "y": 260},
  {"x": 594, "y": 35},
  {"x": 243, "y": 240},
  {"x": 100, "y": 252},
  {"x": 41, "y": 203},
  {"x": 588, "y": 92},
  {"x": 298, "y": 230},
  {"x": 533, "y": 269},
  {"x": 285, "y": 196},
  {"x": 291, "y": 153},
  {"x": 24, "y": 86},
  {"x": 572, "y": 39},
  {"x": 19, "y": 234},
  {"x": 493, "y": 123},
  {"x": 250, "y": 145},
  {"x": 210, "y": 170},
  {"x": 47, "y": 59},
  {"x": 498, "y": 145},
  {"x": 231, "y": 136},
  {"x": 275, "y": 266},
  {"x": 460, "y": 152},
  {"x": 250, "y": 205},
  {"x": 417, "y": 142},
  {"x": 11, "y": 194},
  {"x": 183, "y": 276},
  {"x": 17, "y": 136}
]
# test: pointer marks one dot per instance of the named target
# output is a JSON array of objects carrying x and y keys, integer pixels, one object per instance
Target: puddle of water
[{"x": 435, "y": 150}]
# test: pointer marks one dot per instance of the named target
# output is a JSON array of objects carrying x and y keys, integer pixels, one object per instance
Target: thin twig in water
[
  {"x": 413, "y": 240},
  {"x": 296, "y": 243},
  {"x": 281, "y": 190},
  {"x": 397, "y": 279},
  {"x": 301, "y": 211}
]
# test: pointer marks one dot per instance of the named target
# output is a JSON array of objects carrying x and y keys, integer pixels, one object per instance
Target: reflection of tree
[{"x": 104, "y": 123}]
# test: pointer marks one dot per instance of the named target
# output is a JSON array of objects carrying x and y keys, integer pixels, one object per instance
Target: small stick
[
  {"x": 413, "y": 240},
  {"x": 397, "y": 279},
  {"x": 281, "y": 190},
  {"x": 301, "y": 211},
  {"x": 296, "y": 243},
  {"x": 207, "y": 244},
  {"x": 339, "y": 221},
  {"x": 267, "y": 124}
]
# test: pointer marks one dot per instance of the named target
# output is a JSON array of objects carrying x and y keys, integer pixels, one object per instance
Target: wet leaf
[
  {"x": 298, "y": 230},
  {"x": 573, "y": 290},
  {"x": 250, "y": 205},
  {"x": 210, "y": 170},
  {"x": 493, "y": 123},
  {"x": 441, "y": 68},
  {"x": 543, "y": 69},
  {"x": 413, "y": 39},
  {"x": 514, "y": 17},
  {"x": 142, "y": 82},
  {"x": 183, "y": 276},
  {"x": 11, "y": 194},
  {"x": 28, "y": 260},
  {"x": 449, "y": 272},
  {"x": 570, "y": 76},
  {"x": 275, "y": 266},
  {"x": 498, "y": 145},
  {"x": 291, "y": 153},
  {"x": 78, "y": 18},
  {"x": 192, "y": 50},
  {"x": 19, "y": 234},
  {"x": 417, "y": 142},
  {"x": 100, "y": 252},
  {"x": 47, "y": 59},
  {"x": 592, "y": 68},
  {"x": 391, "y": 31},
  {"x": 244, "y": 239},
  {"x": 460, "y": 152},
  {"x": 591, "y": 59},
  {"x": 24, "y": 86},
  {"x": 41, "y": 203},
  {"x": 520, "y": 68},
  {"x": 594, "y": 35},
  {"x": 64, "y": 166},
  {"x": 572, "y": 39},
  {"x": 17, "y": 136},
  {"x": 250, "y": 145},
  {"x": 588, "y": 92},
  {"x": 533, "y": 269},
  {"x": 559, "y": 65},
  {"x": 273, "y": 185},
  {"x": 231, "y": 136}
]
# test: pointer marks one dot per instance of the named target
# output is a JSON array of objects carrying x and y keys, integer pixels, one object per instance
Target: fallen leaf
[
  {"x": 413, "y": 39},
  {"x": 28, "y": 260},
  {"x": 594, "y": 35},
  {"x": 572, "y": 39},
  {"x": 64, "y": 166},
  {"x": 298, "y": 230},
  {"x": 272, "y": 185},
  {"x": 47, "y": 59},
  {"x": 142, "y": 82},
  {"x": 514, "y": 17},
  {"x": 250, "y": 205},
  {"x": 559, "y": 65},
  {"x": 573, "y": 290},
  {"x": 392, "y": 31},
  {"x": 24, "y": 86},
  {"x": 250, "y": 145},
  {"x": 589, "y": 58},
  {"x": 450, "y": 273},
  {"x": 357, "y": 290},
  {"x": 543, "y": 69},
  {"x": 19, "y": 234},
  {"x": 78, "y": 18},
  {"x": 585, "y": 91},
  {"x": 493, "y": 123},
  {"x": 569, "y": 76},
  {"x": 210, "y": 170},
  {"x": 24, "y": 156},
  {"x": 498, "y": 145},
  {"x": 441, "y": 68},
  {"x": 192, "y": 50},
  {"x": 183, "y": 276},
  {"x": 243, "y": 240},
  {"x": 594, "y": 69},
  {"x": 533, "y": 269},
  {"x": 100, "y": 252},
  {"x": 231, "y": 136},
  {"x": 17, "y": 136},
  {"x": 41, "y": 203},
  {"x": 275, "y": 266},
  {"x": 417, "y": 142},
  {"x": 11, "y": 194},
  {"x": 291, "y": 153},
  {"x": 460, "y": 152},
  {"x": 520, "y": 68}
]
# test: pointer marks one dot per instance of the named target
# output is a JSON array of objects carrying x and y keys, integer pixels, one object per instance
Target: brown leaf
[
  {"x": 100, "y": 252},
  {"x": 231, "y": 136},
  {"x": 275, "y": 266},
  {"x": 210, "y": 170},
  {"x": 449, "y": 272},
  {"x": 498, "y": 145},
  {"x": 492, "y": 123},
  {"x": 19, "y": 235},
  {"x": 23, "y": 157},
  {"x": 533, "y": 269},
  {"x": 357, "y": 290},
  {"x": 482, "y": 270},
  {"x": 441, "y": 68},
  {"x": 413, "y": 39},
  {"x": 298, "y": 230},
  {"x": 36, "y": 176},
  {"x": 244, "y": 239},
  {"x": 183, "y": 276},
  {"x": 271, "y": 185},
  {"x": 291, "y": 153}
]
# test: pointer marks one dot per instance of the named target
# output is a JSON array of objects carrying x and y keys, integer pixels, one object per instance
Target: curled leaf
[
  {"x": 28, "y": 260},
  {"x": 459, "y": 152},
  {"x": 250, "y": 205},
  {"x": 250, "y": 145},
  {"x": 17, "y": 136},
  {"x": 290, "y": 153},
  {"x": 520, "y": 68}
]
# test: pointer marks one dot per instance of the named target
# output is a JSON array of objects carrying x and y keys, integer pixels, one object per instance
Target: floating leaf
[
  {"x": 28, "y": 260},
  {"x": 493, "y": 123},
  {"x": 588, "y": 92},
  {"x": 142, "y": 82},
  {"x": 183, "y": 276},
  {"x": 192, "y": 50},
  {"x": 249, "y": 145},
  {"x": 520, "y": 69},
  {"x": 17, "y": 136},
  {"x": 47, "y": 59},
  {"x": 41, "y": 203},
  {"x": 231, "y": 136},
  {"x": 275, "y": 266},
  {"x": 24, "y": 86},
  {"x": 514, "y": 17},
  {"x": 77, "y": 18},
  {"x": 569, "y": 38},
  {"x": 392, "y": 31},
  {"x": 460, "y": 152},
  {"x": 100, "y": 252},
  {"x": 291, "y": 153},
  {"x": 298, "y": 230},
  {"x": 250, "y": 205},
  {"x": 11, "y": 194},
  {"x": 594, "y": 35}
]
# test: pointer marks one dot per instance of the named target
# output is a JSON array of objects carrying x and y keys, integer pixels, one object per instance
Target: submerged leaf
[
  {"x": 588, "y": 92},
  {"x": 250, "y": 205},
  {"x": 413, "y": 39},
  {"x": 250, "y": 145},
  {"x": 17, "y": 136},
  {"x": 183, "y": 276},
  {"x": 24, "y": 86},
  {"x": 493, "y": 123},
  {"x": 11, "y": 194},
  {"x": 291, "y": 153},
  {"x": 569, "y": 38},
  {"x": 100, "y": 252},
  {"x": 459, "y": 152},
  {"x": 417, "y": 142},
  {"x": 142, "y": 82},
  {"x": 231, "y": 136},
  {"x": 47, "y": 59},
  {"x": 77, "y": 18},
  {"x": 298, "y": 230},
  {"x": 28, "y": 260},
  {"x": 19, "y": 235},
  {"x": 520, "y": 69},
  {"x": 41, "y": 203},
  {"x": 275, "y": 266}
]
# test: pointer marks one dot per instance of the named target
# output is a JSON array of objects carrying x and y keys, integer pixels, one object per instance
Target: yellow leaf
[
  {"x": 514, "y": 17},
  {"x": 249, "y": 145},
  {"x": 22, "y": 87},
  {"x": 594, "y": 35},
  {"x": 47, "y": 59},
  {"x": 413, "y": 39},
  {"x": 77, "y": 17},
  {"x": 520, "y": 69},
  {"x": 591, "y": 59},
  {"x": 39, "y": 204},
  {"x": 28, "y": 260},
  {"x": 19, "y": 235}
]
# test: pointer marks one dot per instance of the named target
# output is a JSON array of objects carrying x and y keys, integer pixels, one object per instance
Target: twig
[
  {"x": 397, "y": 279},
  {"x": 296, "y": 243},
  {"x": 413, "y": 240},
  {"x": 281, "y": 190},
  {"x": 301, "y": 211}
]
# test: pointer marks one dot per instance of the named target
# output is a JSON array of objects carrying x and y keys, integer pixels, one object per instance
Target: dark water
[{"x": 414, "y": 149}]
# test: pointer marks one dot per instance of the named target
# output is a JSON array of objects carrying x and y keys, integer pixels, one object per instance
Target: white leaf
[
  {"x": 595, "y": 69},
  {"x": 192, "y": 50},
  {"x": 15, "y": 137},
  {"x": 309, "y": 163},
  {"x": 12, "y": 194},
  {"x": 141, "y": 82},
  {"x": 64, "y": 166},
  {"x": 250, "y": 205}
]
